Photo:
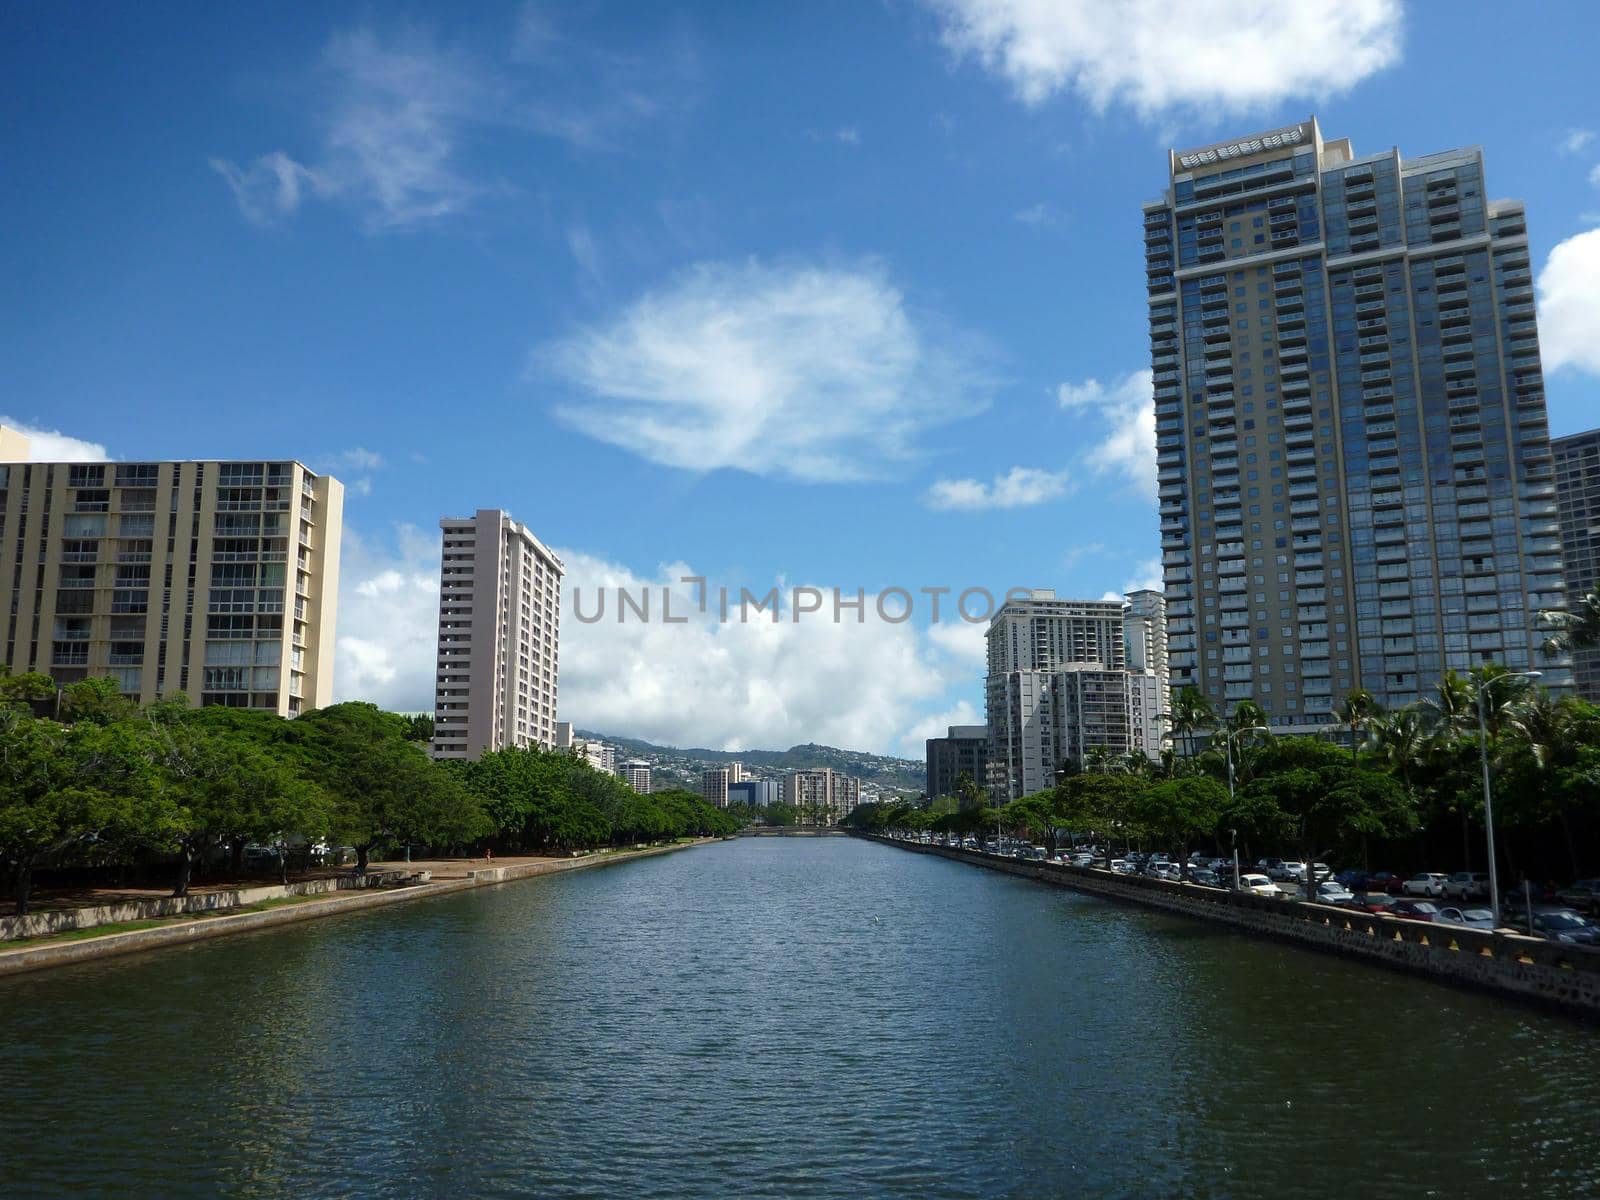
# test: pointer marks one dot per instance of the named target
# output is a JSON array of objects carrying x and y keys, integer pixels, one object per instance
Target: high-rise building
[
  {"x": 964, "y": 750},
  {"x": 1578, "y": 499},
  {"x": 821, "y": 795},
  {"x": 499, "y": 637},
  {"x": 1356, "y": 485},
  {"x": 1144, "y": 636},
  {"x": 715, "y": 781},
  {"x": 636, "y": 775},
  {"x": 1060, "y": 686},
  {"x": 217, "y": 580},
  {"x": 755, "y": 792}
]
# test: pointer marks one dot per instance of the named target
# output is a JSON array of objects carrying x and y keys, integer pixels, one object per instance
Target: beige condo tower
[{"x": 218, "y": 580}]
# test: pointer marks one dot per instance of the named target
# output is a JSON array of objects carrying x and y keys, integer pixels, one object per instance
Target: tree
[
  {"x": 1577, "y": 628},
  {"x": 98, "y": 701},
  {"x": 1181, "y": 812},
  {"x": 18, "y": 691},
  {"x": 1359, "y": 711},
  {"x": 1191, "y": 712}
]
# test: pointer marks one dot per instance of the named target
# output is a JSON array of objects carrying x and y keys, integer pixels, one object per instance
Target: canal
[{"x": 780, "y": 1017}]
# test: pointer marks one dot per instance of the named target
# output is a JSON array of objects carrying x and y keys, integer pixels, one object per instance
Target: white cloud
[
  {"x": 397, "y": 118},
  {"x": 51, "y": 445},
  {"x": 1146, "y": 577},
  {"x": 965, "y": 642},
  {"x": 1042, "y": 215},
  {"x": 1574, "y": 141},
  {"x": 388, "y": 627},
  {"x": 809, "y": 372},
  {"x": 847, "y": 135},
  {"x": 271, "y": 188},
  {"x": 1594, "y": 175},
  {"x": 937, "y": 725},
  {"x": 1569, "y": 304},
  {"x": 1126, "y": 408},
  {"x": 1154, "y": 56},
  {"x": 1019, "y": 487},
  {"x": 757, "y": 684}
]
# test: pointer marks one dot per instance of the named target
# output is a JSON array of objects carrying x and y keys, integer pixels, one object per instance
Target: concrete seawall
[
  {"x": 16, "y": 959},
  {"x": 1562, "y": 976}
]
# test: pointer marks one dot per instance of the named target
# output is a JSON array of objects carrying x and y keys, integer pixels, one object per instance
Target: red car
[
  {"x": 1414, "y": 910},
  {"x": 1372, "y": 902},
  {"x": 1384, "y": 881}
]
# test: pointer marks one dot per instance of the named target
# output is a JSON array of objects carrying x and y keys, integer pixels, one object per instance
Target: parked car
[
  {"x": 1122, "y": 866},
  {"x": 1205, "y": 877},
  {"x": 1372, "y": 902},
  {"x": 1582, "y": 894},
  {"x": 1425, "y": 883},
  {"x": 1414, "y": 910},
  {"x": 1265, "y": 865},
  {"x": 1470, "y": 918},
  {"x": 1286, "y": 872},
  {"x": 1334, "y": 893},
  {"x": 1083, "y": 860},
  {"x": 1258, "y": 885},
  {"x": 1382, "y": 881},
  {"x": 1464, "y": 885},
  {"x": 1564, "y": 925}
]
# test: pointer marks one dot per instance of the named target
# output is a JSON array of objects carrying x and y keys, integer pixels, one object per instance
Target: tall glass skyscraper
[{"x": 1356, "y": 482}]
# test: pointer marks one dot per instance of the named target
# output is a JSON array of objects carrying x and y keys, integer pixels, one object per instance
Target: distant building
[
  {"x": 563, "y": 735},
  {"x": 636, "y": 775},
  {"x": 1578, "y": 502},
  {"x": 217, "y": 580},
  {"x": 715, "y": 781},
  {"x": 757, "y": 793},
  {"x": 1144, "y": 636},
  {"x": 821, "y": 796},
  {"x": 499, "y": 625},
  {"x": 1061, "y": 686},
  {"x": 599, "y": 755},
  {"x": 964, "y": 750}
]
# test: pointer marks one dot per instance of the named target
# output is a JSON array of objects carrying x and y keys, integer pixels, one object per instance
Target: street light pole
[{"x": 1488, "y": 791}]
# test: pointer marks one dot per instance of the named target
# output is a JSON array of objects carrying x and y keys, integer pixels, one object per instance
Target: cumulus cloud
[
  {"x": 1155, "y": 56},
  {"x": 816, "y": 373},
  {"x": 51, "y": 445},
  {"x": 387, "y": 635},
  {"x": 1125, "y": 413},
  {"x": 937, "y": 725},
  {"x": 1569, "y": 304},
  {"x": 1019, "y": 487},
  {"x": 1594, "y": 175},
  {"x": 751, "y": 684}
]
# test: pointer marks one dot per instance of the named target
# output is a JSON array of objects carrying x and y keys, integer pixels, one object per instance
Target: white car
[
  {"x": 1083, "y": 860},
  {"x": 1288, "y": 872},
  {"x": 1258, "y": 885},
  {"x": 1471, "y": 918},
  {"x": 1122, "y": 866},
  {"x": 1425, "y": 883}
]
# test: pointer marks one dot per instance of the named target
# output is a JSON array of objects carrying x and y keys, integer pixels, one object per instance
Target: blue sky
[{"x": 847, "y": 295}]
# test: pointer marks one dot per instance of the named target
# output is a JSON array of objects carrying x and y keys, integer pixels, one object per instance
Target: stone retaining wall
[
  {"x": 29, "y": 958},
  {"x": 1567, "y": 977}
]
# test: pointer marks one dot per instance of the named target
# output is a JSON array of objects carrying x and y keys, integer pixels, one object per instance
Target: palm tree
[
  {"x": 1359, "y": 711},
  {"x": 1575, "y": 629},
  {"x": 1191, "y": 712},
  {"x": 1453, "y": 706}
]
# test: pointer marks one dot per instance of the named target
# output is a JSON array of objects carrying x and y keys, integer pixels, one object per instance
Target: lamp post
[
  {"x": 1228, "y": 742},
  {"x": 1488, "y": 792}
]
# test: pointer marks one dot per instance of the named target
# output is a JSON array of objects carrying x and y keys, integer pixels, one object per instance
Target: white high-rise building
[
  {"x": 1061, "y": 686},
  {"x": 499, "y": 627},
  {"x": 821, "y": 796},
  {"x": 636, "y": 775}
]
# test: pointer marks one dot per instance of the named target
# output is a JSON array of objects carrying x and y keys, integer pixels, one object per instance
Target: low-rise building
[
  {"x": 757, "y": 793},
  {"x": 963, "y": 751}
]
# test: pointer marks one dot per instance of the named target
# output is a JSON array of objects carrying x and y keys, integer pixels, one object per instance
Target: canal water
[{"x": 780, "y": 1017}]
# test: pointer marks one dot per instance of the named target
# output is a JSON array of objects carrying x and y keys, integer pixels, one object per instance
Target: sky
[{"x": 835, "y": 295}]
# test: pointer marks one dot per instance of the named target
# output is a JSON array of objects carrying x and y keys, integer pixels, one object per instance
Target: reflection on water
[{"x": 785, "y": 1017}]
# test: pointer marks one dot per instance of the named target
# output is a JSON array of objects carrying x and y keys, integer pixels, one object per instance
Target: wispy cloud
[
  {"x": 847, "y": 135},
  {"x": 1124, "y": 412},
  {"x": 51, "y": 445},
  {"x": 397, "y": 116},
  {"x": 816, "y": 373},
  {"x": 1575, "y": 141},
  {"x": 1042, "y": 215},
  {"x": 1154, "y": 56},
  {"x": 1020, "y": 487}
]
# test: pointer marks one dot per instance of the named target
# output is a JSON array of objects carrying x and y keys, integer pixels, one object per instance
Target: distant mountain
[{"x": 685, "y": 765}]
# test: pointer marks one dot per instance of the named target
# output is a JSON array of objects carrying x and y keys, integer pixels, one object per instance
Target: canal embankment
[
  {"x": 68, "y": 936},
  {"x": 1566, "y": 977}
]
